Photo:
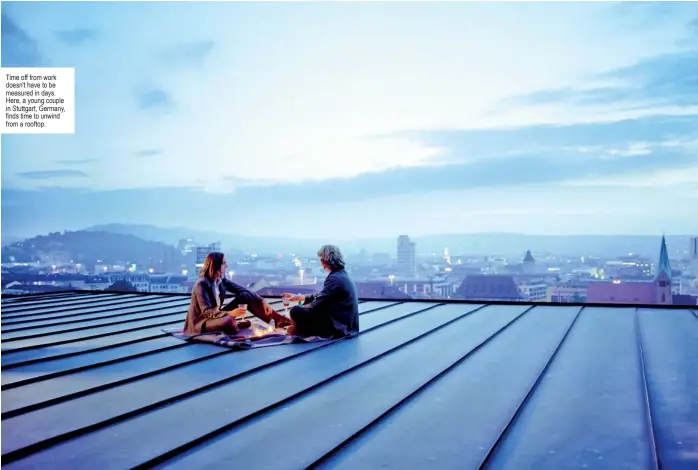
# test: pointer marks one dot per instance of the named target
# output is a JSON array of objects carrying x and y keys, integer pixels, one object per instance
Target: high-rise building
[
  {"x": 693, "y": 256},
  {"x": 186, "y": 245},
  {"x": 203, "y": 251},
  {"x": 406, "y": 256}
]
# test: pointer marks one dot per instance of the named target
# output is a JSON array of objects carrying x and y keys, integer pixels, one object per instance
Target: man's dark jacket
[{"x": 338, "y": 301}]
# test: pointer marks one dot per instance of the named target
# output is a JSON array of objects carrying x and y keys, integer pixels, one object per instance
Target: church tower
[
  {"x": 529, "y": 263},
  {"x": 662, "y": 279}
]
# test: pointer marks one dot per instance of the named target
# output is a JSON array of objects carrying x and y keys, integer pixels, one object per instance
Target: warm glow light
[
  {"x": 616, "y": 281},
  {"x": 184, "y": 272},
  {"x": 151, "y": 270},
  {"x": 263, "y": 330}
]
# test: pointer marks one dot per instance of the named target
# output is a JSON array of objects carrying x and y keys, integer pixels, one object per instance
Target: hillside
[{"x": 90, "y": 248}]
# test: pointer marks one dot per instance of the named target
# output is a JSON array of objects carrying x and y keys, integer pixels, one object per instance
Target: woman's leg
[
  {"x": 225, "y": 324},
  {"x": 256, "y": 307}
]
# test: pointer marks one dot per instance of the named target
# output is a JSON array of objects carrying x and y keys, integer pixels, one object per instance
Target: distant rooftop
[
  {"x": 90, "y": 381},
  {"x": 488, "y": 287}
]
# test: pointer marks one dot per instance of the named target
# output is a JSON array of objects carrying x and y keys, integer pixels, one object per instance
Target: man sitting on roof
[
  {"x": 334, "y": 312},
  {"x": 205, "y": 313}
]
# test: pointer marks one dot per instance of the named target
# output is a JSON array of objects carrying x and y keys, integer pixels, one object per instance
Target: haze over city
[
  {"x": 450, "y": 235},
  {"x": 352, "y": 120}
]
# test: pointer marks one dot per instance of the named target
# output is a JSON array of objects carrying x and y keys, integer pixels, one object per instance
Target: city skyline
[{"x": 405, "y": 118}]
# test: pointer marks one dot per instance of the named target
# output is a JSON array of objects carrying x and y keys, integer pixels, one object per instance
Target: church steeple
[
  {"x": 663, "y": 266},
  {"x": 529, "y": 257}
]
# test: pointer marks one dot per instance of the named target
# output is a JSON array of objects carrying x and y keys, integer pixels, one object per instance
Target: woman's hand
[
  {"x": 267, "y": 308},
  {"x": 238, "y": 312}
]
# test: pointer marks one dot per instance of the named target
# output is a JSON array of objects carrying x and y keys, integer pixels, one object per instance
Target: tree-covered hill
[{"x": 89, "y": 248}]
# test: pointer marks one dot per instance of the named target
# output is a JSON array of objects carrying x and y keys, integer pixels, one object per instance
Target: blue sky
[{"x": 361, "y": 119}]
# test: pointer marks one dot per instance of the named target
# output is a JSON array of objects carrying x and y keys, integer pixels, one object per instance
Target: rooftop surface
[{"x": 91, "y": 381}]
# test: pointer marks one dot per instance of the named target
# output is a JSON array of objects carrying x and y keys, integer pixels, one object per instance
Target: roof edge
[{"x": 427, "y": 301}]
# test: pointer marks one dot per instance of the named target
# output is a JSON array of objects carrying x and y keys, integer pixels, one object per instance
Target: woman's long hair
[{"x": 212, "y": 266}]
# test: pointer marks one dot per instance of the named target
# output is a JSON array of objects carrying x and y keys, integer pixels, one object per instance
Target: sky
[{"x": 353, "y": 120}]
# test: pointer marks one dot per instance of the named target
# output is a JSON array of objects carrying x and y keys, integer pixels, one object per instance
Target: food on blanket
[{"x": 242, "y": 324}]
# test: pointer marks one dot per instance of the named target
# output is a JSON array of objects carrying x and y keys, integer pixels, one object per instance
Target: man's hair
[
  {"x": 212, "y": 265},
  {"x": 332, "y": 257}
]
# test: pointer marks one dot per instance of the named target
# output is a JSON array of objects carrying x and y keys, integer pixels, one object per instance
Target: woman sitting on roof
[
  {"x": 334, "y": 312},
  {"x": 206, "y": 312}
]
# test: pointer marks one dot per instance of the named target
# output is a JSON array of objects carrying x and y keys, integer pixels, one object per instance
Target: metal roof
[{"x": 91, "y": 381}]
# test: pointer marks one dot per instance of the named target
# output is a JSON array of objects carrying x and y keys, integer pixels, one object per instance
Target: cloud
[
  {"x": 693, "y": 27},
  {"x": 646, "y": 11},
  {"x": 18, "y": 48},
  {"x": 148, "y": 152},
  {"x": 642, "y": 16},
  {"x": 666, "y": 80},
  {"x": 76, "y": 36},
  {"x": 669, "y": 178},
  {"x": 186, "y": 54},
  {"x": 552, "y": 141},
  {"x": 495, "y": 173},
  {"x": 78, "y": 161},
  {"x": 50, "y": 174},
  {"x": 154, "y": 99},
  {"x": 541, "y": 155}
]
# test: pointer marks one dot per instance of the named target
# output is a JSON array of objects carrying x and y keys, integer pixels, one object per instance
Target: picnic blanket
[{"x": 246, "y": 338}]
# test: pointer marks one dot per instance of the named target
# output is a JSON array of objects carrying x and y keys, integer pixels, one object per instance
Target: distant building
[
  {"x": 533, "y": 292},
  {"x": 529, "y": 263},
  {"x": 186, "y": 246},
  {"x": 425, "y": 289},
  {"x": 488, "y": 288},
  {"x": 406, "y": 258},
  {"x": 19, "y": 288},
  {"x": 567, "y": 294},
  {"x": 693, "y": 256},
  {"x": 98, "y": 283},
  {"x": 167, "y": 283},
  {"x": 253, "y": 283},
  {"x": 686, "y": 300},
  {"x": 629, "y": 268},
  {"x": 654, "y": 292},
  {"x": 380, "y": 259},
  {"x": 278, "y": 291},
  {"x": 379, "y": 290},
  {"x": 203, "y": 251}
]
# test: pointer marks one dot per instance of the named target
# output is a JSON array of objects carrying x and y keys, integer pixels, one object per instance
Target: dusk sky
[{"x": 361, "y": 119}]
